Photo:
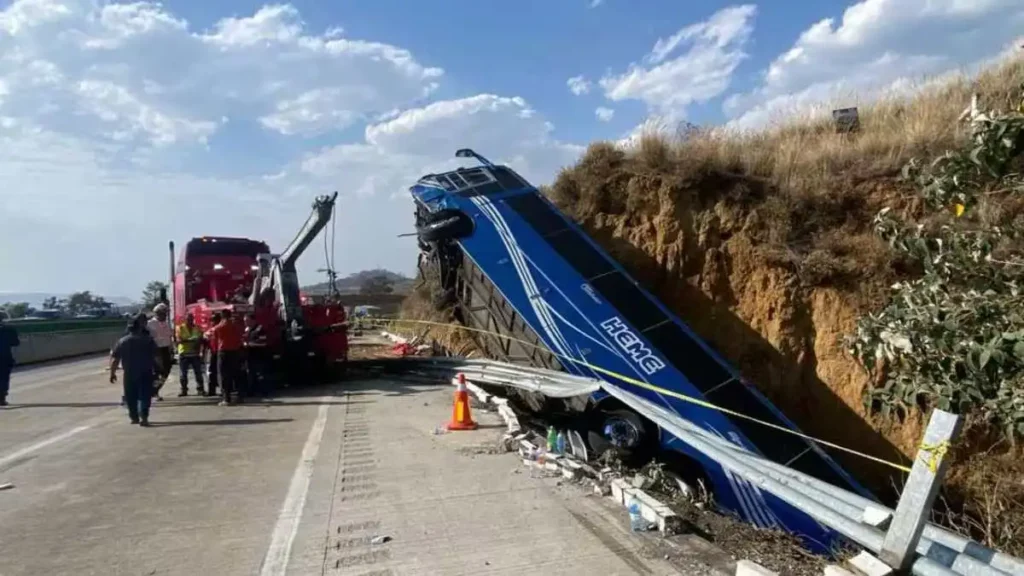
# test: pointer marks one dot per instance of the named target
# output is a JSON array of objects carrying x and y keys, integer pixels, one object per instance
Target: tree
[
  {"x": 52, "y": 303},
  {"x": 376, "y": 285},
  {"x": 80, "y": 302},
  {"x": 155, "y": 292},
  {"x": 17, "y": 309}
]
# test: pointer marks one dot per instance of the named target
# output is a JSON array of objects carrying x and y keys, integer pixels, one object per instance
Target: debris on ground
[
  {"x": 6, "y": 486},
  {"x": 776, "y": 550},
  {"x": 694, "y": 506},
  {"x": 380, "y": 540},
  {"x": 640, "y": 481},
  {"x": 481, "y": 449}
]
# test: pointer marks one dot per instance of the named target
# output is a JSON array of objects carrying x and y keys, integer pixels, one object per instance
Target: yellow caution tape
[
  {"x": 648, "y": 386},
  {"x": 936, "y": 452}
]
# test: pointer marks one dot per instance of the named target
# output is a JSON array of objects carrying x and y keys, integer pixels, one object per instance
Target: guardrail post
[{"x": 920, "y": 491}]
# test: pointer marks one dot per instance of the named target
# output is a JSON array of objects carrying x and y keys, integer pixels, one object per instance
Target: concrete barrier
[{"x": 43, "y": 346}]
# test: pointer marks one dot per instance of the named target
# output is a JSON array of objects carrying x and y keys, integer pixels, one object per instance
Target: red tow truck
[{"x": 308, "y": 335}]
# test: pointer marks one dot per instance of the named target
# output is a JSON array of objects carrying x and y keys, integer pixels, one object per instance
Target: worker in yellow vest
[{"x": 190, "y": 338}]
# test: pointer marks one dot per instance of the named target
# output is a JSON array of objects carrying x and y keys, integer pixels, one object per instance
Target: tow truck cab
[{"x": 217, "y": 272}]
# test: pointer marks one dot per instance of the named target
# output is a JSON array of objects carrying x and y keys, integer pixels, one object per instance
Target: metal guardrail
[{"x": 938, "y": 551}]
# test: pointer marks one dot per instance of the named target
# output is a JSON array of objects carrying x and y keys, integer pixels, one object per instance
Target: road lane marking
[
  {"x": 96, "y": 376},
  {"x": 42, "y": 444},
  {"x": 275, "y": 563},
  {"x": 29, "y": 379}
]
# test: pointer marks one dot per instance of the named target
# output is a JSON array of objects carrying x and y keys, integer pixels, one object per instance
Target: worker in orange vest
[{"x": 229, "y": 340}]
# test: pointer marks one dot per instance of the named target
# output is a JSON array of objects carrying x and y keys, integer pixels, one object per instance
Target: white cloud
[
  {"x": 604, "y": 114},
  {"x": 315, "y": 111},
  {"x": 280, "y": 23},
  {"x": 73, "y": 223},
  {"x": 144, "y": 58},
  {"x": 118, "y": 107},
  {"x": 121, "y": 22},
  {"x": 669, "y": 81},
  {"x": 123, "y": 127},
  {"x": 398, "y": 150},
  {"x": 578, "y": 85},
  {"x": 595, "y": 3},
  {"x": 876, "y": 46},
  {"x": 88, "y": 225},
  {"x": 23, "y": 15}
]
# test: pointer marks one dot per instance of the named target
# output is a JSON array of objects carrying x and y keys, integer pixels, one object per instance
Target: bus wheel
[{"x": 621, "y": 431}]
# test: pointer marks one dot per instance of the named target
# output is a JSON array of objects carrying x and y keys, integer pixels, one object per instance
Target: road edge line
[
  {"x": 275, "y": 562},
  {"x": 4, "y": 460}
]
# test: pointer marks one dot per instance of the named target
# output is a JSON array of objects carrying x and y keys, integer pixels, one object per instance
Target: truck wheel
[{"x": 447, "y": 224}]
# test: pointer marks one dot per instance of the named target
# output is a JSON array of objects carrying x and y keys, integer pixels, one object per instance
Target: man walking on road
[
  {"x": 190, "y": 338},
  {"x": 8, "y": 341},
  {"x": 228, "y": 339},
  {"x": 160, "y": 329},
  {"x": 136, "y": 352}
]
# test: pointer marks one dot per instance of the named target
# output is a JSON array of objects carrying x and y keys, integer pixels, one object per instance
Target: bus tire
[{"x": 640, "y": 439}]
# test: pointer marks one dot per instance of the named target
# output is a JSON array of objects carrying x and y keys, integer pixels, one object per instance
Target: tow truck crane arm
[
  {"x": 323, "y": 207},
  {"x": 278, "y": 272}
]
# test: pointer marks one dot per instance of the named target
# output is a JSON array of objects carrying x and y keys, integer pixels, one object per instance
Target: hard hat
[{"x": 161, "y": 307}]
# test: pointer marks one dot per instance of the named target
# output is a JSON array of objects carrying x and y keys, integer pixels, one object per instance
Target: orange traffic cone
[{"x": 461, "y": 418}]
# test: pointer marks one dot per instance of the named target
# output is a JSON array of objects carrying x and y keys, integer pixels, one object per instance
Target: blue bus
[{"x": 540, "y": 292}]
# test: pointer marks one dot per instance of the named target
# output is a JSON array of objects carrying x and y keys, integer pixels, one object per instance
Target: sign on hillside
[{"x": 846, "y": 119}]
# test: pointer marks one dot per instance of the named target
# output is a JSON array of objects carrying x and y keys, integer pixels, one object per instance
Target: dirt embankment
[
  {"x": 703, "y": 244},
  {"x": 763, "y": 244}
]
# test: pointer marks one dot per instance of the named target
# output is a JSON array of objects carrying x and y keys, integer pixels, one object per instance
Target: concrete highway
[{"x": 300, "y": 485}]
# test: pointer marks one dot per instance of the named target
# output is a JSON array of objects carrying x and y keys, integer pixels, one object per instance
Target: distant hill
[{"x": 351, "y": 283}]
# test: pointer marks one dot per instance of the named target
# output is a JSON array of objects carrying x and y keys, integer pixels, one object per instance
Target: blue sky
[{"x": 125, "y": 125}]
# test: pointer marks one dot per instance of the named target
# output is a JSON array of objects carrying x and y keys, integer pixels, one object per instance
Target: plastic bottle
[
  {"x": 560, "y": 443},
  {"x": 637, "y": 523},
  {"x": 552, "y": 438}
]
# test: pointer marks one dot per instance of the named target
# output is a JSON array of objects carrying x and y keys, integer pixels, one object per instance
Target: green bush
[{"x": 953, "y": 338}]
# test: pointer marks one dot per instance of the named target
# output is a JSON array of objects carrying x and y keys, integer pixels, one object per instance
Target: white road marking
[
  {"x": 31, "y": 378},
  {"x": 42, "y": 444},
  {"x": 275, "y": 563},
  {"x": 91, "y": 376}
]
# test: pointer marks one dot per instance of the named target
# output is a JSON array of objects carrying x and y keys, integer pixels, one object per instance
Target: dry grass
[
  {"x": 805, "y": 156},
  {"x": 419, "y": 306},
  {"x": 811, "y": 191},
  {"x": 984, "y": 500}
]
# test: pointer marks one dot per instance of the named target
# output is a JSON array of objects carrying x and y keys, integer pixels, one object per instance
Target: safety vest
[{"x": 188, "y": 340}]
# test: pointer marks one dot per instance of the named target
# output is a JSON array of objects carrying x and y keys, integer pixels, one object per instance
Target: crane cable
[
  {"x": 690, "y": 399},
  {"x": 329, "y": 253}
]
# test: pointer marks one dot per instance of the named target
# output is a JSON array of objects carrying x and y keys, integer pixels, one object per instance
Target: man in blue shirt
[
  {"x": 136, "y": 352},
  {"x": 8, "y": 341}
]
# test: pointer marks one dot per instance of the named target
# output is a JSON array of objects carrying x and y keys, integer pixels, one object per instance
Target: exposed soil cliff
[{"x": 763, "y": 244}]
